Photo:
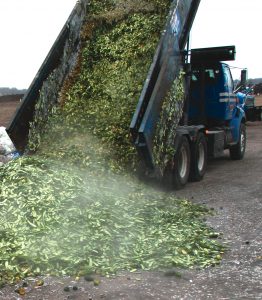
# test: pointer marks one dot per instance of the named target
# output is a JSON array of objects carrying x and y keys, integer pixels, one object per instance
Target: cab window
[
  {"x": 211, "y": 75},
  {"x": 228, "y": 79}
]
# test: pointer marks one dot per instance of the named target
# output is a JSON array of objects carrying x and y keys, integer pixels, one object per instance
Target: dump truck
[{"x": 212, "y": 119}]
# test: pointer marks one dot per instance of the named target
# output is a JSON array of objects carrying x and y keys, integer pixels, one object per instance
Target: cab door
[{"x": 228, "y": 96}]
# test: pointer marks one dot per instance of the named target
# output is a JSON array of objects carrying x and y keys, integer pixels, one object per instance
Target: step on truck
[{"x": 212, "y": 119}]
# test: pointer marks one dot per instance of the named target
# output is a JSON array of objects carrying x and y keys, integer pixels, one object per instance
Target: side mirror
[{"x": 244, "y": 77}]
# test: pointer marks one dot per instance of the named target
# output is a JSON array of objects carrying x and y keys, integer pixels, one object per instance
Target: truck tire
[
  {"x": 176, "y": 176},
  {"x": 237, "y": 151},
  {"x": 198, "y": 158}
]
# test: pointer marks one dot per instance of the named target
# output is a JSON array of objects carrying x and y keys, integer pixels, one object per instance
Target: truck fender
[
  {"x": 240, "y": 117},
  {"x": 191, "y": 132}
]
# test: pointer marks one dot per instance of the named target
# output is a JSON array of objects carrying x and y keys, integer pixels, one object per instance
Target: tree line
[{"x": 11, "y": 91}]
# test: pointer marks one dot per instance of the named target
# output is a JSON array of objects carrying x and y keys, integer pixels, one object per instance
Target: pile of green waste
[
  {"x": 60, "y": 221},
  {"x": 73, "y": 207}
]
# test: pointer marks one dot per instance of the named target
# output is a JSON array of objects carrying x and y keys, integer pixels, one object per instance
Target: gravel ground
[{"x": 234, "y": 190}]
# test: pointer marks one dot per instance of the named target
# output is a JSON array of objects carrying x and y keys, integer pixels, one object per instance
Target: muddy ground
[
  {"x": 234, "y": 190},
  {"x": 8, "y": 106}
]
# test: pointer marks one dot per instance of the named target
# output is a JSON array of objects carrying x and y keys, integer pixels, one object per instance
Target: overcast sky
[
  {"x": 28, "y": 29},
  {"x": 232, "y": 22}
]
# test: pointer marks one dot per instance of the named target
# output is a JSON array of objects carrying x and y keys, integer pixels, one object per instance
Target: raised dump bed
[{"x": 166, "y": 67}]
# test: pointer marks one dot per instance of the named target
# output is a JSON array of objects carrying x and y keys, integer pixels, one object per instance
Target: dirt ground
[
  {"x": 8, "y": 106},
  {"x": 234, "y": 190},
  {"x": 258, "y": 101}
]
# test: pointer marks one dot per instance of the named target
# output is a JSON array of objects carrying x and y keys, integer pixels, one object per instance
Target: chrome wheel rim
[
  {"x": 201, "y": 157},
  {"x": 242, "y": 141},
  {"x": 183, "y": 161}
]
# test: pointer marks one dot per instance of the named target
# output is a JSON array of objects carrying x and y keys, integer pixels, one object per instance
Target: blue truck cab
[
  {"x": 219, "y": 100},
  {"x": 212, "y": 100}
]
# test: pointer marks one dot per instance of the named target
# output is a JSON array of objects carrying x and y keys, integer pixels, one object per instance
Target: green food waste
[
  {"x": 56, "y": 222},
  {"x": 74, "y": 207}
]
